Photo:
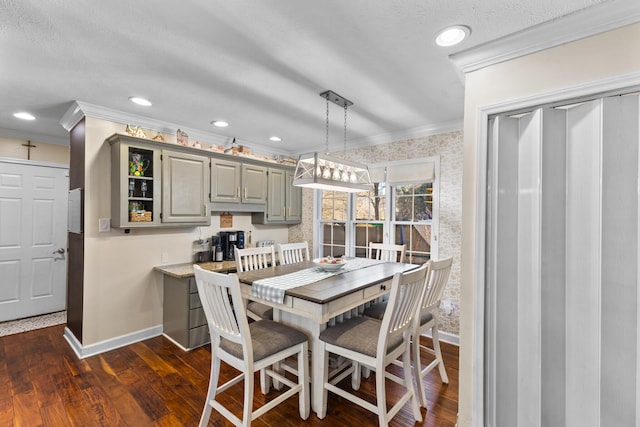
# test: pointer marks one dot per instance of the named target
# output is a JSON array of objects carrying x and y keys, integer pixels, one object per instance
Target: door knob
[{"x": 59, "y": 251}]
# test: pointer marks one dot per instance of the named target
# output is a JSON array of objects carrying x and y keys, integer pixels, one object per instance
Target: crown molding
[
  {"x": 406, "y": 134},
  {"x": 80, "y": 109},
  {"x": 388, "y": 137},
  {"x": 583, "y": 23},
  {"x": 33, "y": 136}
]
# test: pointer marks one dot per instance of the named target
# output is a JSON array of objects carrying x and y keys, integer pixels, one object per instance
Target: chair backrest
[
  {"x": 254, "y": 258},
  {"x": 437, "y": 277},
  {"x": 223, "y": 307},
  {"x": 386, "y": 252},
  {"x": 290, "y": 253},
  {"x": 406, "y": 292}
]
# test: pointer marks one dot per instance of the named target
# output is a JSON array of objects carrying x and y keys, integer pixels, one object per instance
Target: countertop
[{"x": 181, "y": 271}]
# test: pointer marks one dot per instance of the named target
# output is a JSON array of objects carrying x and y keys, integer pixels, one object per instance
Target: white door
[{"x": 33, "y": 238}]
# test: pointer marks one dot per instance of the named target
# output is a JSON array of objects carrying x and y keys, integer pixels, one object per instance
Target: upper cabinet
[
  {"x": 237, "y": 186},
  {"x": 152, "y": 186},
  {"x": 284, "y": 201},
  {"x": 185, "y": 197}
]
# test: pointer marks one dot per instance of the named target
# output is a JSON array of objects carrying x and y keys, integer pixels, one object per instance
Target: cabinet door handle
[
  {"x": 237, "y": 191},
  {"x": 204, "y": 210},
  {"x": 245, "y": 193},
  {"x": 289, "y": 211},
  {"x": 283, "y": 211}
]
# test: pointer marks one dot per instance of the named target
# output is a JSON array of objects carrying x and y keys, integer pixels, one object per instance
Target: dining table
[{"x": 310, "y": 306}]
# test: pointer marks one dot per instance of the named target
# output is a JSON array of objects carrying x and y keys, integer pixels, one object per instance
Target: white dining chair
[
  {"x": 248, "y": 348},
  {"x": 426, "y": 319},
  {"x": 376, "y": 344},
  {"x": 289, "y": 253},
  {"x": 253, "y": 259},
  {"x": 437, "y": 278},
  {"x": 386, "y": 252}
]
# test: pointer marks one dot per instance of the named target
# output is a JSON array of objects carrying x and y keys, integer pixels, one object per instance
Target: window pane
[
  {"x": 404, "y": 208},
  {"x": 363, "y": 207},
  {"x": 422, "y": 188},
  {"x": 421, "y": 238},
  {"x": 326, "y": 233},
  {"x": 422, "y": 208},
  {"x": 327, "y": 209},
  {"x": 404, "y": 190}
]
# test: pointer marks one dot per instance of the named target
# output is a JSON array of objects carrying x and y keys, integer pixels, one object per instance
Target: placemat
[{"x": 273, "y": 288}]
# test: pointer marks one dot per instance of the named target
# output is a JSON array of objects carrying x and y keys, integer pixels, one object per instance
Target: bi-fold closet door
[{"x": 561, "y": 298}]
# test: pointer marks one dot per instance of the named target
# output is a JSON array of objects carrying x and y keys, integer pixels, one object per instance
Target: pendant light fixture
[{"x": 323, "y": 172}]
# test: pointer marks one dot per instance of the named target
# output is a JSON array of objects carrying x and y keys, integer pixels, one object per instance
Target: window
[
  {"x": 413, "y": 219},
  {"x": 393, "y": 212},
  {"x": 333, "y": 220}
]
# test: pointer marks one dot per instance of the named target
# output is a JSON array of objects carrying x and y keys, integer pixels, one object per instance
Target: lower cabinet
[{"x": 183, "y": 319}]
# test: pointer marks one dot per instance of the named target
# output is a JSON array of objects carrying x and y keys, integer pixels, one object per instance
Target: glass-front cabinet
[{"x": 152, "y": 186}]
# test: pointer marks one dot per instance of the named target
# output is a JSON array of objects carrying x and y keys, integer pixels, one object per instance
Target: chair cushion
[
  {"x": 358, "y": 334},
  {"x": 267, "y": 337},
  {"x": 264, "y": 311},
  {"x": 376, "y": 311}
]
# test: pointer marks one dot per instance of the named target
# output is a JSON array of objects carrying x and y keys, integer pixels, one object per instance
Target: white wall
[
  {"x": 601, "y": 58},
  {"x": 122, "y": 293}
]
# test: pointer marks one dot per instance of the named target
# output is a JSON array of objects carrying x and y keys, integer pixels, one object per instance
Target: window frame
[{"x": 389, "y": 222}]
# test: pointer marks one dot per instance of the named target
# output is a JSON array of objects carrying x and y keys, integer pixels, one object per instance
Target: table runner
[{"x": 273, "y": 288}]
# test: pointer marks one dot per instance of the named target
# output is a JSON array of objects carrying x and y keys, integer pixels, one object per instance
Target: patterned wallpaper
[{"x": 449, "y": 147}]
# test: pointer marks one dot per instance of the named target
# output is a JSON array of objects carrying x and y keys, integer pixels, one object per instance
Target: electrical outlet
[
  {"x": 164, "y": 258},
  {"x": 104, "y": 225},
  {"x": 447, "y": 307}
]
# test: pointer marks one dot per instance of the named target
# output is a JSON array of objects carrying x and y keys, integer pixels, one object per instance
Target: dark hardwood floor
[{"x": 153, "y": 383}]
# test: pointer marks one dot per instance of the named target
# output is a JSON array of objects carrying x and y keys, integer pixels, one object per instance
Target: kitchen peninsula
[{"x": 183, "y": 319}]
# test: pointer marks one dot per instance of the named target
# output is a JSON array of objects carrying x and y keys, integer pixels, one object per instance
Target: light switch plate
[{"x": 104, "y": 225}]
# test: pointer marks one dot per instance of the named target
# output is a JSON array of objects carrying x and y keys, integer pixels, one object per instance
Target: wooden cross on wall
[{"x": 29, "y": 146}]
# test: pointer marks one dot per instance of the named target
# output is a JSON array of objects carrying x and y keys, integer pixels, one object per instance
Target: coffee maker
[{"x": 229, "y": 240}]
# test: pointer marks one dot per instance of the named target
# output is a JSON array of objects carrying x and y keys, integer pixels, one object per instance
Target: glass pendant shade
[{"x": 323, "y": 172}]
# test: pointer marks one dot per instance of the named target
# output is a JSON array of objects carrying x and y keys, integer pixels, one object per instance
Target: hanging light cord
[
  {"x": 327, "y": 128},
  {"x": 345, "y": 131}
]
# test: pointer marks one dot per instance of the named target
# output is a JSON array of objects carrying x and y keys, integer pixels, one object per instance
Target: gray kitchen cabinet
[
  {"x": 152, "y": 186},
  {"x": 185, "y": 197},
  {"x": 238, "y": 186},
  {"x": 284, "y": 201},
  {"x": 183, "y": 319},
  {"x": 293, "y": 199}
]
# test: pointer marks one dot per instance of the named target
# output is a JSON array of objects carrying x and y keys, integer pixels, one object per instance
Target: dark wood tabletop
[{"x": 334, "y": 287}]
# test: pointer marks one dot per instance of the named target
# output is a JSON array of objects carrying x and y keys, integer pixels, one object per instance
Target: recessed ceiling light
[
  {"x": 220, "y": 123},
  {"x": 140, "y": 101},
  {"x": 451, "y": 36},
  {"x": 275, "y": 139},
  {"x": 24, "y": 116}
]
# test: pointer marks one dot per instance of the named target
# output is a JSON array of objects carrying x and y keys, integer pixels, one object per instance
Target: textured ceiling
[{"x": 259, "y": 64}]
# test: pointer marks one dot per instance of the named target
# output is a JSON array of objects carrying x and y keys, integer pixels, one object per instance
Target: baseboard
[
  {"x": 110, "y": 344},
  {"x": 446, "y": 337}
]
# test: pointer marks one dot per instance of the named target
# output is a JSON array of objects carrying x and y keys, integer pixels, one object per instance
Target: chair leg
[
  {"x": 265, "y": 382},
  {"x": 436, "y": 347},
  {"x": 211, "y": 392},
  {"x": 355, "y": 375},
  {"x": 417, "y": 369},
  {"x": 381, "y": 394},
  {"x": 408, "y": 380},
  {"x": 248, "y": 397}
]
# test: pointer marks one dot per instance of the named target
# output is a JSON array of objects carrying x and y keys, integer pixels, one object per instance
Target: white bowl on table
[{"x": 329, "y": 264}]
